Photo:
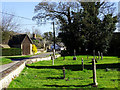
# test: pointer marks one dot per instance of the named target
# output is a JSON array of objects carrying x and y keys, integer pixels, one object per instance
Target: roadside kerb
[
  {"x": 14, "y": 71},
  {"x": 9, "y": 76}
]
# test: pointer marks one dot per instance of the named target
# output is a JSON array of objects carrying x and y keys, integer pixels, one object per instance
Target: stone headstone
[
  {"x": 82, "y": 64},
  {"x": 99, "y": 55},
  {"x": 74, "y": 58}
]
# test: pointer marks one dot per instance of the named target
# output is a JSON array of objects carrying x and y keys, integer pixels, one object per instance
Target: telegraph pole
[{"x": 54, "y": 40}]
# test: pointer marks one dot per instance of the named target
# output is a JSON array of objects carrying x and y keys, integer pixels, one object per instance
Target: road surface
[{"x": 6, "y": 66}]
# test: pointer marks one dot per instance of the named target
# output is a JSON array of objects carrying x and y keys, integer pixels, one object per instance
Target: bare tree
[
  {"x": 9, "y": 25},
  {"x": 9, "y": 22}
]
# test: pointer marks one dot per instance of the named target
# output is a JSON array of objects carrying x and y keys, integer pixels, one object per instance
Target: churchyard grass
[{"x": 45, "y": 75}]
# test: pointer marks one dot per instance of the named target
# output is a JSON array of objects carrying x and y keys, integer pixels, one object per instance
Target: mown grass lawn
[
  {"x": 4, "y": 60},
  {"x": 45, "y": 75}
]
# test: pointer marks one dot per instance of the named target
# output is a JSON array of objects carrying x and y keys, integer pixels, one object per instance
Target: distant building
[
  {"x": 58, "y": 46},
  {"x": 4, "y": 46},
  {"x": 21, "y": 41}
]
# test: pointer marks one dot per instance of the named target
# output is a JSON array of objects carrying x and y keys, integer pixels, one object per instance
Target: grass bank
[
  {"x": 4, "y": 60},
  {"x": 45, "y": 75},
  {"x": 8, "y": 59}
]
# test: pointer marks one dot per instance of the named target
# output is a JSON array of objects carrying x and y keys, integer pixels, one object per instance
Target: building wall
[
  {"x": 26, "y": 47},
  {"x": 31, "y": 49}
]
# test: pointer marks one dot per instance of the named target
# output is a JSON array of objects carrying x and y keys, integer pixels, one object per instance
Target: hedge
[{"x": 11, "y": 51}]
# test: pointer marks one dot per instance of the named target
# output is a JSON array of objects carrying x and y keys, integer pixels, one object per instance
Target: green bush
[{"x": 11, "y": 51}]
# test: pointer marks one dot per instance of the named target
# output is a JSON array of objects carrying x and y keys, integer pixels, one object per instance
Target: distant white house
[{"x": 58, "y": 47}]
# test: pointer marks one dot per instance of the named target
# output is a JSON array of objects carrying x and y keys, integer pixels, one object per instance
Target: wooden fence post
[
  {"x": 94, "y": 73},
  {"x": 63, "y": 72}
]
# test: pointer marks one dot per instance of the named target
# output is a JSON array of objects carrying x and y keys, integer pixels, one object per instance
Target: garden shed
[{"x": 21, "y": 41}]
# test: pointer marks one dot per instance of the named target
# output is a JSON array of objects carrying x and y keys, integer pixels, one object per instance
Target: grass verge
[
  {"x": 45, "y": 75},
  {"x": 4, "y": 60}
]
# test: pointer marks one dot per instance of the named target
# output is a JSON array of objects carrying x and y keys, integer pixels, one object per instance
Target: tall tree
[
  {"x": 98, "y": 29},
  {"x": 62, "y": 11},
  {"x": 81, "y": 24}
]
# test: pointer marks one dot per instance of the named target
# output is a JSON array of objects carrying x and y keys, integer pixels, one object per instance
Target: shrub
[
  {"x": 11, "y": 51},
  {"x": 34, "y": 48}
]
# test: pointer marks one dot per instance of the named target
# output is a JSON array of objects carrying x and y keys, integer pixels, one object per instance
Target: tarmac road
[{"x": 6, "y": 66}]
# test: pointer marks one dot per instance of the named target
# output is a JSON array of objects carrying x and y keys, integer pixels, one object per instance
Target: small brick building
[{"x": 21, "y": 41}]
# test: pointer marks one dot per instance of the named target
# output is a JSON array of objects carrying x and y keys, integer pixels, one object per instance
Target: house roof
[{"x": 18, "y": 39}]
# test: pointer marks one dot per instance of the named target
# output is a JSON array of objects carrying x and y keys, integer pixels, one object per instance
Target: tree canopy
[{"x": 83, "y": 25}]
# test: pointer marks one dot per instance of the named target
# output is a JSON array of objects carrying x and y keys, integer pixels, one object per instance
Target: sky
[{"x": 26, "y": 9}]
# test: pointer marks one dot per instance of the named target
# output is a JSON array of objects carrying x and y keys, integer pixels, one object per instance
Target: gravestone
[
  {"x": 99, "y": 55},
  {"x": 82, "y": 64},
  {"x": 74, "y": 58}
]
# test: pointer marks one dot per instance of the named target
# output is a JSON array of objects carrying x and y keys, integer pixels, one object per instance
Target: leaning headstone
[
  {"x": 74, "y": 58},
  {"x": 82, "y": 64},
  {"x": 94, "y": 73},
  {"x": 99, "y": 55},
  {"x": 63, "y": 72},
  {"x": 74, "y": 52}
]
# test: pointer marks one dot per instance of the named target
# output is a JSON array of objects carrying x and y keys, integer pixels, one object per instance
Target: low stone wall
[
  {"x": 29, "y": 61},
  {"x": 14, "y": 71},
  {"x": 10, "y": 74}
]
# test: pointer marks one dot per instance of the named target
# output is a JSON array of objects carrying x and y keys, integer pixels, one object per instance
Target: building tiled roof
[{"x": 17, "y": 39}]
